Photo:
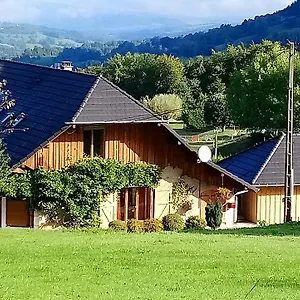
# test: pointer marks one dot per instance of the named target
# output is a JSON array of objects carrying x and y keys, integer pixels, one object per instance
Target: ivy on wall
[
  {"x": 180, "y": 194},
  {"x": 72, "y": 196}
]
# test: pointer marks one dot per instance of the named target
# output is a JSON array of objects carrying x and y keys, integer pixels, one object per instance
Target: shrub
[
  {"x": 169, "y": 106},
  {"x": 118, "y": 225},
  {"x": 195, "y": 222},
  {"x": 73, "y": 195},
  {"x": 213, "y": 215},
  {"x": 261, "y": 223},
  {"x": 153, "y": 225},
  {"x": 173, "y": 222},
  {"x": 134, "y": 225}
]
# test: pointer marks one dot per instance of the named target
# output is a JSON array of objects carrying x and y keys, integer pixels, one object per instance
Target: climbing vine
[
  {"x": 180, "y": 194},
  {"x": 72, "y": 196}
]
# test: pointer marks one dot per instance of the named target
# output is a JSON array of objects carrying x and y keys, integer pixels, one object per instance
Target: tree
[
  {"x": 213, "y": 215},
  {"x": 171, "y": 78},
  {"x": 143, "y": 75},
  {"x": 169, "y": 106},
  {"x": 208, "y": 78},
  {"x": 4, "y": 169},
  {"x": 257, "y": 94},
  {"x": 193, "y": 111},
  {"x": 7, "y": 126},
  {"x": 216, "y": 111},
  {"x": 134, "y": 73},
  {"x": 97, "y": 70},
  {"x": 11, "y": 119}
]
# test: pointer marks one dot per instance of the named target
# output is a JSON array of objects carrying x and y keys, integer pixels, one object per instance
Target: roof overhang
[
  {"x": 211, "y": 164},
  {"x": 114, "y": 122}
]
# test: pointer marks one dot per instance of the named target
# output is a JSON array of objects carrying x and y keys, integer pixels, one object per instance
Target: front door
[
  {"x": 135, "y": 203},
  {"x": 17, "y": 214}
]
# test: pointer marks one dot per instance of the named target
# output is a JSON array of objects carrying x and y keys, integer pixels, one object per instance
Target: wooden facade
[
  {"x": 248, "y": 206},
  {"x": 150, "y": 143},
  {"x": 270, "y": 205}
]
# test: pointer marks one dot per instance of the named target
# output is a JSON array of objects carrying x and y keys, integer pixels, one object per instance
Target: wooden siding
[
  {"x": 248, "y": 204},
  {"x": 130, "y": 143},
  {"x": 270, "y": 207},
  {"x": 62, "y": 151}
]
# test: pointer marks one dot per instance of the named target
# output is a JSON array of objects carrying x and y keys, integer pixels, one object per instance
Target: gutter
[{"x": 114, "y": 122}]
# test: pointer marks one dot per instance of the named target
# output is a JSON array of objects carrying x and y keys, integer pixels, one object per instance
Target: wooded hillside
[{"x": 279, "y": 26}]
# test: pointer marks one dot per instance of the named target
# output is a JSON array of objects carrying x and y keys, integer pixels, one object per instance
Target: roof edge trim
[
  {"x": 114, "y": 122},
  {"x": 49, "y": 140},
  {"x": 86, "y": 99},
  {"x": 268, "y": 159}
]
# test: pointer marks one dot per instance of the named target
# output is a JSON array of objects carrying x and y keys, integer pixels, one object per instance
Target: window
[
  {"x": 93, "y": 142},
  {"x": 87, "y": 142},
  {"x": 98, "y": 142}
]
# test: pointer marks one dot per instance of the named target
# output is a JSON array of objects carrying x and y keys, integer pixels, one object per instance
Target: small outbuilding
[{"x": 263, "y": 166}]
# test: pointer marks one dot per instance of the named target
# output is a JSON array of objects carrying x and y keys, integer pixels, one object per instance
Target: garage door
[{"x": 17, "y": 214}]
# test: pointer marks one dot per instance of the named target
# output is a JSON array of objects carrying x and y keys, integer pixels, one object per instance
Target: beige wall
[
  {"x": 108, "y": 210},
  {"x": 270, "y": 205},
  {"x": 163, "y": 194}
]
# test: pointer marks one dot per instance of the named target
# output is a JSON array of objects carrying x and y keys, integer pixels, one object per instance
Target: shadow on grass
[{"x": 288, "y": 229}]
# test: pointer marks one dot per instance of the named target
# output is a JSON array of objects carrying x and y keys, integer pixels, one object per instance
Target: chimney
[{"x": 66, "y": 65}]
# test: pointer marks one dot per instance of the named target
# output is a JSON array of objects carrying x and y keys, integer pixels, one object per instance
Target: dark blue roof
[
  {"x": 248, "y": 164},
  {"x": 48, "y": 97},
  {"x": 52, "y": 98}
]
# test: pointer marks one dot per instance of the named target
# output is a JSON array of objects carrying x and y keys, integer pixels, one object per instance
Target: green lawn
[{"x": 80, "y": 265}]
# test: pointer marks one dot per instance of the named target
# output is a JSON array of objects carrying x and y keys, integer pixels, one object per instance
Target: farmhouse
[
  {"x": 263, "y": 167},
  {"x": 69, "y": 115}
]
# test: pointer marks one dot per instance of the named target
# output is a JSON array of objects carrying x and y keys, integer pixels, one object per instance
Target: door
[
  {"x": 135, "y": 203},
  {"x": 17, "y": 214}
]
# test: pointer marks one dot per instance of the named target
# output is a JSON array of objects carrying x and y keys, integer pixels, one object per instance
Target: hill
[
  {"x": 279, "y": 26},
  {"x": 15, "y": 38}
]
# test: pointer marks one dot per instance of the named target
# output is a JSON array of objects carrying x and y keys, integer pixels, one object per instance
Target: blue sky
[{"x": 61, "y": 12}]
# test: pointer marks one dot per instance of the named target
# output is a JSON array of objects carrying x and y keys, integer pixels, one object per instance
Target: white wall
[
  {"x": 108, "y": 211},
  {"x": 163, "y": 194},
  {"x": 3, "y": 212}
]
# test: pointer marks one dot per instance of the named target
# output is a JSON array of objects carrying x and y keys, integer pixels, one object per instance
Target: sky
[{"x": 63, "y": 13}]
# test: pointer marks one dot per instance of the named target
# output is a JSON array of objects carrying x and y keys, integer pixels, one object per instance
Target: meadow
[{"x": 259, "y": 263}]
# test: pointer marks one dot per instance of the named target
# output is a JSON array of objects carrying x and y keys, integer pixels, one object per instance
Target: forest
[
  {"x": 280, "y": 26},
  {"x": 241, "y": 86}
]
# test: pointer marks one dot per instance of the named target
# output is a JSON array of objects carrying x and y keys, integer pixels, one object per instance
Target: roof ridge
[
  {"x": 131, "y": 97},
  {"x": 86, "y": 99},
  {"x": 44, "y": 67},
  {"x": 268, "y": 159}
]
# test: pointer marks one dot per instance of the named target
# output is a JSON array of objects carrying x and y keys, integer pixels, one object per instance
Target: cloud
[{"x": 50, "y": 11}]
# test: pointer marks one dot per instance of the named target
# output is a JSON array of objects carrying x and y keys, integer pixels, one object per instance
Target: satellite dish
[{"x": 204, "y": 154}]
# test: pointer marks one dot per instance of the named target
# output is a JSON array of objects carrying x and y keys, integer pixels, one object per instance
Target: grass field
[
  {"x": 230, "y": 141},
  {"x": 84, "y": 265}
]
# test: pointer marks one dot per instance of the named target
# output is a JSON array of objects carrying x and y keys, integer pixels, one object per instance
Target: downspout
[{"x": 232, "y": 200}]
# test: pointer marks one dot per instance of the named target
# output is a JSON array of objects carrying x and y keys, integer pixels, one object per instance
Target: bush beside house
[{"x": 71, "y": 197}]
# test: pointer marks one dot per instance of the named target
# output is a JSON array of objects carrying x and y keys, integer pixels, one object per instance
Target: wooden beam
[
  {"x": 92, "y": 143},
  {"x": 137, "y": 202},
  {"x": 146, "y": 205},
  {"x": 126, "y": 205},
  {"x": 151, "y": 204}
]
